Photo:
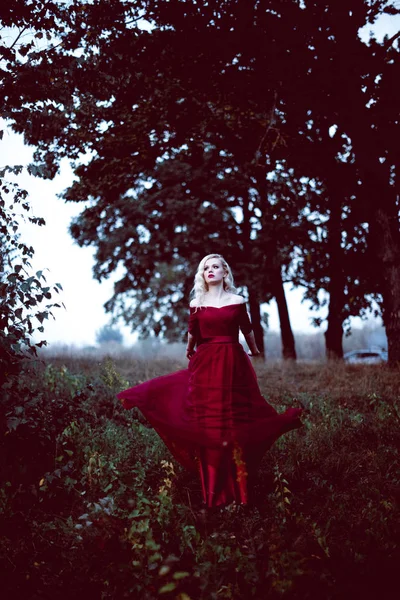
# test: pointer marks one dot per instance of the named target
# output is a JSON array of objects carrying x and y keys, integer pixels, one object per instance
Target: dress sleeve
[
  {"x": 244, "y": 322},
  {"x": 193, "y": 325}
]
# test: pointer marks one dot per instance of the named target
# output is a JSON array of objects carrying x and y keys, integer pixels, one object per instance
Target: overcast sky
[{"x": 71, "y": 265}]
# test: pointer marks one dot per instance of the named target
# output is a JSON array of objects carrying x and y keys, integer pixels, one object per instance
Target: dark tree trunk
[
  {"x": 288, "y": 345},
  {"x": 380, "y": 209},
  {"x": 385, "y": 231},
  {"x": 287, "y": 338},
  {"x": 384, "y": 245},
  {"x": 334, "y": 332},
  {"x": 334, "y": 335},
  {"x": 255, "y": 315},
  {"x": 254, "y": 304}
]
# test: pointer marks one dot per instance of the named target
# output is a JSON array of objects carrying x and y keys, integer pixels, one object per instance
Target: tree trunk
[
  {"x": 334, "y": 335},
  {"x": 384, "y": 243},
  {"x": 255, "y": 315},
  {"x": 287, "y": 338},
  {"x": 288, "y": 345},
  {"x": 334, "y": 332},
  {"x": 380, "y": 209},
  {"x": 385, "y": 230}
]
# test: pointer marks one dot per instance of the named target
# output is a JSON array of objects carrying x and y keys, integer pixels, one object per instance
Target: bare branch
[
  {"x": 18, "y": 36},
  {"x": 270, "y": 125},
  {"x": 392, "y": 39}
]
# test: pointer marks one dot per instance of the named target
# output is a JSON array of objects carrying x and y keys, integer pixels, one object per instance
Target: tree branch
[
  {"x": 392, "y": 39},
  {"x": 17, "y": 38}
]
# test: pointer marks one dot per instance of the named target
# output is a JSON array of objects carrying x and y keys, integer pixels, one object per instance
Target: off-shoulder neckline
[{"x": 219, "y": 307}]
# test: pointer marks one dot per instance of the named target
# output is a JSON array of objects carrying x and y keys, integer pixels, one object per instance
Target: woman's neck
[{"x": 216, "y": 292}]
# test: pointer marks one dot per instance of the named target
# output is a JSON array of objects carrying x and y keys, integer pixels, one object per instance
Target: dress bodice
[{"x": 210, "y": 321}]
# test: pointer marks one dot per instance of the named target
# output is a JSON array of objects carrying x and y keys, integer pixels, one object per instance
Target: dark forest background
[{"x": 267, "y": 131}]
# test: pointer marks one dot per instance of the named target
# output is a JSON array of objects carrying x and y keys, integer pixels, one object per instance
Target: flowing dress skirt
[{"x": 213, "y": 418}]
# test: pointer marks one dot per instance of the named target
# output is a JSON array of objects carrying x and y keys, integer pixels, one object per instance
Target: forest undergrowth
[{"x": 92, "y": 503}]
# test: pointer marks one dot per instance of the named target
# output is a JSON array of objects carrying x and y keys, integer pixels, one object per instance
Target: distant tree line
[
  {"x": 109, "y": 334},
  {"x": 267, "y": 131}
]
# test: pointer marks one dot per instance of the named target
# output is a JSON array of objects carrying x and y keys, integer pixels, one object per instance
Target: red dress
[{"x": 212, "y": 416}]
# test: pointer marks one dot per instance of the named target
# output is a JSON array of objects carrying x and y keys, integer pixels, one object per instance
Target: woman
[{"x": 212, "y": 416}]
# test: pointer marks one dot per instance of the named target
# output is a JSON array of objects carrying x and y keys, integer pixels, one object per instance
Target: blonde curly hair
[{"x": 200, "y": 285}]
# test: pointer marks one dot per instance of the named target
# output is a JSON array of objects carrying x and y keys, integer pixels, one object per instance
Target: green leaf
[
  {"x": 12, "y": 423},
  {"x": 42, "y": 315},
  {"x": 180, "y": 575},
  {"x": 69, "y": 482},
  {"x": 154, "y": 557},
  {"x": 168, "y": 587}
]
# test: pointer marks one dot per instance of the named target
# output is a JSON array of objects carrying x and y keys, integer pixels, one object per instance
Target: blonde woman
[{"x": 212, "y": 415}]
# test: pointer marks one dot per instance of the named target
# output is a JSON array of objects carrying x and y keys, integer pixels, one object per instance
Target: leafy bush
[
  {"x": 24, "y": 297},
  {"x": 92, "y": 503}
]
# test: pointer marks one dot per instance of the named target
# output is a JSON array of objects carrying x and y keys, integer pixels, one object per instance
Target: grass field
[{"x": 91, "y": 502}]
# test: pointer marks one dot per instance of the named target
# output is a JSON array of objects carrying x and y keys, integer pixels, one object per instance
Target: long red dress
[{"x": 212, "y": 416}]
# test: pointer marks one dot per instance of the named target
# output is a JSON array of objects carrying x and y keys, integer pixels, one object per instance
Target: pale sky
[{"x": 71, "y": 265}]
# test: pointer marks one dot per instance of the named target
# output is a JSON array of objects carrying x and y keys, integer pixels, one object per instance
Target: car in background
[{"x": 368, "y": 356}]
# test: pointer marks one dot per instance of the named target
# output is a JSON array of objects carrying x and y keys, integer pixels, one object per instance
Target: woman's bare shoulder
[{"x": 237, "y": 299}]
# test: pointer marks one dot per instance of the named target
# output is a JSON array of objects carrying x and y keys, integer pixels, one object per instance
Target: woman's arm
[
  {"x": 190, "y": 346},
  {"x": 251, "y": 342},
  {"x": 193, "y": 329},
  {"x": 247, "y": 330}
]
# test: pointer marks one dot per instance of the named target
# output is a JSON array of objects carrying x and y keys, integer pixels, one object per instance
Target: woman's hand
[
  {"x": 254, "y": 353},
  {"x": 191, "y": 343},
  {"x": 190, "y": 352},
  {"x": 251, "y": 344}
]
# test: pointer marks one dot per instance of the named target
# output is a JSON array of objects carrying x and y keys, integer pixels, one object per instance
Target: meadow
[{"x": 91, "y": 502}]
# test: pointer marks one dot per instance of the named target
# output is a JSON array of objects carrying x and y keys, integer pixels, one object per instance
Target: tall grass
[{"x": 91, "y": 502}]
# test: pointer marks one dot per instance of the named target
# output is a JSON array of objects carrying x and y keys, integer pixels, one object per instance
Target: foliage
[
  {"x": 92, "y": 503},
  {"x": 219, "y": 127},
  {"x": 24, "y": 297}
]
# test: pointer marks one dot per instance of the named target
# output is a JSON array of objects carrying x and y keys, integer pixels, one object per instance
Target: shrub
[{"x": 93, "y": 504}]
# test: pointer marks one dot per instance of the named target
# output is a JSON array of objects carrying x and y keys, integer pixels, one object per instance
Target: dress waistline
[{"x": 219, "y": 339}]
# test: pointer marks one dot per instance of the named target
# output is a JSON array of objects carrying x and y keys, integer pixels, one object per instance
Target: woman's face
[{"x": 214, "y": 272}]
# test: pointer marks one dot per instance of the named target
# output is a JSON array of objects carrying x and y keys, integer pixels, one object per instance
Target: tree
[
  {"x": 262, "y": 102},
  {"x": 24, "y": 297},
  {"x": 109, "y": 334},
  {"x": 344, "y": 82}
]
